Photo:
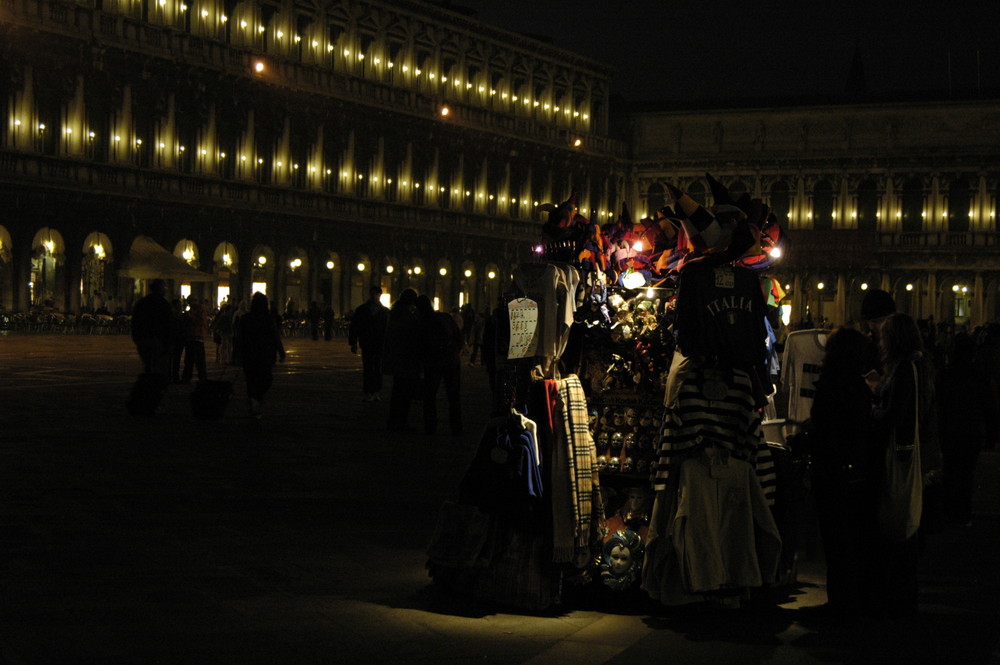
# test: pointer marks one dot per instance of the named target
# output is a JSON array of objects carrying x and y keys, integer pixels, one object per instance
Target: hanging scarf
[{"x": 584, "y": 482}]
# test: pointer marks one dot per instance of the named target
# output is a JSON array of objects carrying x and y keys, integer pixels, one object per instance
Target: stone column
[
  {"x": 74, "y": 270},
  {"x": 978, "y": 314},
  {"x": 931, "y": 299},
  {"x": 936, "y": 204},
  {"x": 798, "y": 300},
  {"x": 840, "y": 301}
]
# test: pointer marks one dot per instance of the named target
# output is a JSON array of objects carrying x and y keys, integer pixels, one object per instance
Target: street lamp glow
[{"x": 361, "y": 267}]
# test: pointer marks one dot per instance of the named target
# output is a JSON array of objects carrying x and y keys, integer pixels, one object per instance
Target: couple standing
[{"x": 419, "y": 347}]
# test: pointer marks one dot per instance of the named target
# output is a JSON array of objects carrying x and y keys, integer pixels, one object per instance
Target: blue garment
[{"x": 523, "y": 463}]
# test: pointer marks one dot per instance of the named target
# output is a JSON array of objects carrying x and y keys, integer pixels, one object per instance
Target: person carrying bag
[
  {"x": 903, "y": 424},
  {"x": 901, "y": 499}
]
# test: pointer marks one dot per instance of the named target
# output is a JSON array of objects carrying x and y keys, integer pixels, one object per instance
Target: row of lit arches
[
  {"x": 340, "y": 279},
  {"x": 825, "y": 208}
]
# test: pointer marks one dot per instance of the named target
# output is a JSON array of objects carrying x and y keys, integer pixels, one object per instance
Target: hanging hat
[
  {"x": 876, "y": 304},
  {"x": 719, "y": 191},
  {"x": 562, "y": 219},
  {"x": 704, "y": 230},
  {"x": 669, "y": 222}
]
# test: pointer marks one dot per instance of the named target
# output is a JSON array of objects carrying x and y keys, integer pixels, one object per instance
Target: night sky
[{"x": 698, "y": 50}]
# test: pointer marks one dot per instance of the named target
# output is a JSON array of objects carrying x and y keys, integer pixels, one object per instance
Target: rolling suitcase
[
  {"x": 147, "y": 391},
  {"x": 209, "y": 399}
]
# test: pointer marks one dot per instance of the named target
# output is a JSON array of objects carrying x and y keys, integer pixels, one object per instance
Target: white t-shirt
[{"x": 800, "y": 363}]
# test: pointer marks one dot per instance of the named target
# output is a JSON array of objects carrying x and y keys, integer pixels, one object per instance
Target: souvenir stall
[{"x": 625, "y": 455}]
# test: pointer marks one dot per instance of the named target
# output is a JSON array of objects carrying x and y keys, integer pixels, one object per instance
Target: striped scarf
[{"x": 585, "y": 486}]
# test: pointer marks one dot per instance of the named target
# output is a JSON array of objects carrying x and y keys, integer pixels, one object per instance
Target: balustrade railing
[
  {"x": 68, "y": 173},
  {"x": 939, "y": 239}
]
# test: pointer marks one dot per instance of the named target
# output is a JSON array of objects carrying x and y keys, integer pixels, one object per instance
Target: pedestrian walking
[
  {"x": 478, "y": 327},
  {"x": 328, "y": 317},
  {"x": 238, "y": 312},
  {"x": 194, "y": 329},
  {"x": 153, "y": 330},
  {"x": 367, "y": 332},
  {"x": 314, "y": 315},
  {"x": 222, "y": 334},
  {"x": 260, "y": 347},
  {"x": 177, "y": 341},
  {"x": 401, "y": 358},
  {"x": 442, "y": 362}
]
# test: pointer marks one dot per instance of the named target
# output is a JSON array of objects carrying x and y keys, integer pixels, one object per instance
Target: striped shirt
[{"x": 713, "y": 407}]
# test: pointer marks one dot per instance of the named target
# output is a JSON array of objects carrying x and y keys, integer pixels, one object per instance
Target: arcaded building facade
[
  {"x": 895, "y": 196},
  {"x": 309, "y": 150}
]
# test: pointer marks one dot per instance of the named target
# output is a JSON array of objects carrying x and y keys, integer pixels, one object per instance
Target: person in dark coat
[
  {"x": 876, "y": 307},
  {"x": 260, "y": 347},
  {"x": 841, "y": 471},
  {"x": 402, "y": 358},
  {"x": 314, "y": 314},
  {"x": 367, "y": 330},
  {"x": 194, "y": 329},
  {"x": 153, "y": 330},
  {"x": 328, "y": 317},
  {"x": 968, "y": 420},
  {"x": 900, "y": 421},
  {"x": 442, "y": 360}
]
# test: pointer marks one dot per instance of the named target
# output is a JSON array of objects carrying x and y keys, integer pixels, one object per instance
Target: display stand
[{"x": 596, "y": 476}]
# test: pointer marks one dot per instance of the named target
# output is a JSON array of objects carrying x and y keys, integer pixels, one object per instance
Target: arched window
[
  {"x": 697, "y": 192},
  {"x": 867, "y": 205},
  {"x": 654, "y": 198},
  {"x": 959, "y": 200},
  {"x": 781, "y": 201},
  {"x": 736, "y": 190},
  {"x": 823, "y": 205},
  {"x": 913, "y": 205}
]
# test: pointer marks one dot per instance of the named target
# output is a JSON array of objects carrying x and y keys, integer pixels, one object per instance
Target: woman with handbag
[{"x": 903, "y": 426}]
